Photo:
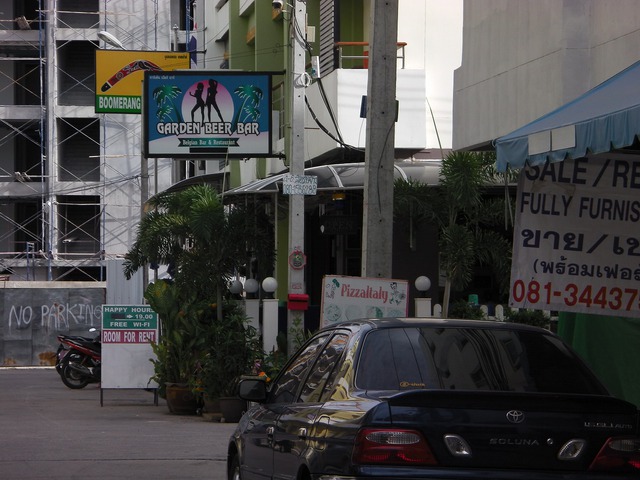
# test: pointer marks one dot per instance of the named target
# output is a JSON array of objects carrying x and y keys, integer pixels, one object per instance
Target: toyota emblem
[{"x": 515, "y": 416}]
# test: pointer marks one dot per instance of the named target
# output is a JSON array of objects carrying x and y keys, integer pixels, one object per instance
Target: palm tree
[
  {"x": 468, "y": 220},
  {"x": 203, "y": 242}
]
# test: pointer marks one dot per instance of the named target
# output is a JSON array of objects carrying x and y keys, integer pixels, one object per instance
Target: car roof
[{"x": 395, "y": 322}]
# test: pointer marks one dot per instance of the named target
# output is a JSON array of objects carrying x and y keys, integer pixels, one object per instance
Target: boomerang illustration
[{"x": 134, "y": 66}]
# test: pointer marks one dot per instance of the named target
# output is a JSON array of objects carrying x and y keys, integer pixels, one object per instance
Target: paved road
[{"x": 48, "y": 431}]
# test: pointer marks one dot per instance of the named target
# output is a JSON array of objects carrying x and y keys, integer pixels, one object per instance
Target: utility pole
[
  {"x": 377, "y": 221},
  {"x": 297, "y": 82}
]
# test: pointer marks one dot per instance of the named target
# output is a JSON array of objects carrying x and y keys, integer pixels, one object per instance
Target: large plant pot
[
  {"x": 211, "y": 405},
  {"x": 232, "y": 409},
  {"x": 181, "y": 400}
]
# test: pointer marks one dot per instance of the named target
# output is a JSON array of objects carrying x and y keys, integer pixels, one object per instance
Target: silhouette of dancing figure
[
  {"x": 199, "y": 102},
  {"x": 212, "y": 91}
]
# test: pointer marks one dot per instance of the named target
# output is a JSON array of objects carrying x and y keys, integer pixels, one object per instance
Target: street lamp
[
  {"x": 269, "y": 285},
  {"x": 423, "y": 303},
  {"x": 423, "y": 284},
  {"x": 251, "y": 286},
  {"x": 109, "y": 39},
  {"x": 235, "y": 287}
]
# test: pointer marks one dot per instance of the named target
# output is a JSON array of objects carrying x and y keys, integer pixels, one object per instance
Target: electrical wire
[{"x": 326, "y": 130}]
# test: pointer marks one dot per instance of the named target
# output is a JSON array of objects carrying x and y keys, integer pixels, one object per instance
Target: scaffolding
[{"x": 70, "y": 179}]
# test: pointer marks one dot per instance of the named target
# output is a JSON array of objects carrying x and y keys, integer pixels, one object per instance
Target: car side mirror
[{"x": 253, "y": 390}]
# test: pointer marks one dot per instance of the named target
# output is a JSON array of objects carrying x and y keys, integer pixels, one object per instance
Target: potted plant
[
  {"x": 232, "y": 345},
  {"x": 177, "y": 350},
  {"x": 202, "y": 243}
]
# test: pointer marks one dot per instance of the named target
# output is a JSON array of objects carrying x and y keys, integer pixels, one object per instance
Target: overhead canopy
[
  {"x": 606, "y": 117},
  {"x": 345, "y": 176}
]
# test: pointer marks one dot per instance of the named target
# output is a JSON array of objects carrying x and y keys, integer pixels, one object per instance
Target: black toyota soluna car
[{"x": 434, "y": 399}]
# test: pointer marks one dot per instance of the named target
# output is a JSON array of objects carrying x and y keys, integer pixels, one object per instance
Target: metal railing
[{"x": 364, "y": 57}]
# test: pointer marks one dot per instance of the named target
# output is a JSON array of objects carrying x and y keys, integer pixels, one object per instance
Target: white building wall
[
  {"x": 432, "y": 30},
  {"x": 522, "y": 59},
  {"x": 439, "y": 28}
]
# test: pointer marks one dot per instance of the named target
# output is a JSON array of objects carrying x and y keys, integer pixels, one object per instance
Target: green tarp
[{"x": 611, "y": 347}]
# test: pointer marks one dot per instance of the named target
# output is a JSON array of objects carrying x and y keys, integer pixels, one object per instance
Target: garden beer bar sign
[
  {"x": 576, "y": 238},
  {"x": 207, "y": 113},
  {"x": 127, "y": 333}
]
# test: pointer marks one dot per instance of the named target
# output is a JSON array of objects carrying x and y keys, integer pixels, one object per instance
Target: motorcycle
[
  {"x": 78, "y": 360},
  {"x": 64, "y": 349}
]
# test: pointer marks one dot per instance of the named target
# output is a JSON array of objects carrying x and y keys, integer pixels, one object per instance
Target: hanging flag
[
  {"x": 192, "y": 46},
  {"x": 192, "y": 40}
]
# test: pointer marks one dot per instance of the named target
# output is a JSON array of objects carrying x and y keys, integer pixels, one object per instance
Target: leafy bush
[
  {"x": 231, "y": 348},
  {"x": 463, "y": 309},
  {"x": 537, "y": 318}
]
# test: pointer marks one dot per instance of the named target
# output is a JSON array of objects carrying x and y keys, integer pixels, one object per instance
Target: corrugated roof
[{"x": 346, "y": 176}]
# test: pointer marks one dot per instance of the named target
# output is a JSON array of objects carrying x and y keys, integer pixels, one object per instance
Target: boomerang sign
[{"x": 128, "y": 70}]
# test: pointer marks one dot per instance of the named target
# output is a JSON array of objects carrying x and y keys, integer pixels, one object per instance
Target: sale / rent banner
[{"x": 576, "y": 239}]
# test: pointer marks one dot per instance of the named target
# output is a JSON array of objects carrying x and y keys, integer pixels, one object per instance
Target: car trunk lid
[{"x": 514, "y": 430}]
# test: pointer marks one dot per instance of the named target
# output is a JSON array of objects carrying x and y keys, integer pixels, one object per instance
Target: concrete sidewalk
[{"x": 49, "y": 431}]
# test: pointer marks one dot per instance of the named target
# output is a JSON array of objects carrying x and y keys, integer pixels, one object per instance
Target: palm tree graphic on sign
[
  {"x": 251, "y": 97},
  {"x": 164, "y": 96}
]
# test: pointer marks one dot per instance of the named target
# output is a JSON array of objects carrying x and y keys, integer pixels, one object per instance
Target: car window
[
  {"x": 325, "y": 364},
  {"x": 390, "y": 360},
  {"x": 470, "y": 359},
  {"x": 286, "y": 387}
]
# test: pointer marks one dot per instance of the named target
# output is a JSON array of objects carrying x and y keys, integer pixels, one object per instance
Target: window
[
  {"x": 79, "y": 149},
  {"x": 79, "y": 225},
  {"x": 390, "y": 360},
  {"x": 471, "y": 359},
  {"x": 316, "y": 383},
  {"x": 286, "y": 388},
  {"x": 76, "y": 73},
  {"x": 78, "y": 14}
]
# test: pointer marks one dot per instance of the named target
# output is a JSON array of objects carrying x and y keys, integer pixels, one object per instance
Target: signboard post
[
  {"x": 576, "y": 245},
  {"x": 127, "y": 333},
  {"x": 350, "y": 298}
]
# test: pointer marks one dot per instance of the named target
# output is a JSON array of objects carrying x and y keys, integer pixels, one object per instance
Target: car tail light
[
  {"x": 619, "y": 454},
  {"x": 392, "y": 447}
]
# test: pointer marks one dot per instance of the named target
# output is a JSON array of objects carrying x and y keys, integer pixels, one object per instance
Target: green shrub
[
  {"x": 463, "y": 309},
  {"x": 537, "y": 318}
]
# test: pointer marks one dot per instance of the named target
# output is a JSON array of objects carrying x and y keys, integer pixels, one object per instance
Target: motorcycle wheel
[{"x": 73, "y": 379}]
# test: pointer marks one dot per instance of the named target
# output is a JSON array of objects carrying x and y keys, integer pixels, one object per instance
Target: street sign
[
  {"x": 299, "y": 184},
  {"x": 127, "y": 333}
]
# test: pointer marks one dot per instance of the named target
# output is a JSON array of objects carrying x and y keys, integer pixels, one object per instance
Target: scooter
[
  {"x": 64, "y": 348},
  {"x": 78, "y": 361}
]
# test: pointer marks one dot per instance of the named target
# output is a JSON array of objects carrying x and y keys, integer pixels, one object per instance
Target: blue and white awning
[{"x": 606, "y": 117}]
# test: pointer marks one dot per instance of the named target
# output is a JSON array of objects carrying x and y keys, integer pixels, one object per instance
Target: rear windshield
[{"x": 470, "y": 359}]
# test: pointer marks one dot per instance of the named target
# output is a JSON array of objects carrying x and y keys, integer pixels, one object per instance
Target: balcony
[{"x": 345, "y": 88}]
